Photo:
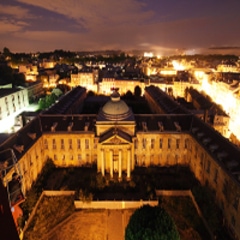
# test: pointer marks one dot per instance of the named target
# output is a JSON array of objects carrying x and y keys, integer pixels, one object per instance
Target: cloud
[
  {"x": 11, "y": 26},
  {"x": 93, "y": 14},
  {"x": 15, "y": 11}
]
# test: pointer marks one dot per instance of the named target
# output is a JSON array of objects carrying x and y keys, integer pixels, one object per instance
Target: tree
[
  {"x": 137, "y": 91},
  {"x": 6, "y": 52},
  {"x": 42, "y": 103},
  {"x": 18, "y": 79},
  {"x": 149, "y": 223}
]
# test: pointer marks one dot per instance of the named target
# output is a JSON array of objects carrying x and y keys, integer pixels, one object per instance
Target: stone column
[
  {"x": 120, "y": 164},
  {"x": 103, "y": 165},
  {"x": 111, "y": 163},
  {"x": 128, "y": 163}
]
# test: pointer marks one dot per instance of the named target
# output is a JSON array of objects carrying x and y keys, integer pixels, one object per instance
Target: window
[
  {"x": 159, "y": 159},
  {"x": 95, "y": 143},
  {"x": 152, "y": 143},
  {"x": 54, "y": 144},
  {"x": 215, "y": 175},
  {"x": 136, "y": 159},
  {"x": 79, "y": 158},
  {"x": 169, "y": 143},
  {"x": 177, "y": 143},
  {"x": 201, "y": 159},
  {"x": 168, "y": 159},
  {"x": 70, "y": 143},
  {"x": 208, "y": 166},
  {"x": 87, "y": 158},
  {"x": 78, "y": 143},
  {"x": 196, "y": 150},
  {"x": 236, "y": 202},
  {"x": 30, "y": 160},
  {"x": 45, "y": 144},
  {"x": 95, "y": 158},
  {"x": 86, "y": 143},
  {"x": 55, "y": 157},
  {"x": 160, "y": 143},
  {"x": 186, "y": 143},
  {"x": 176, "y": 159},
  {"x": 233, "y": 221},
  {"x": 225, "y": 188},
  {"x": 62, "y": 143},
  {"x": 63, "y": 159},
  {"x": 135, "y": 143},
  {"x": 144, "y": 143},
  {"x": 151, "y": 159}
]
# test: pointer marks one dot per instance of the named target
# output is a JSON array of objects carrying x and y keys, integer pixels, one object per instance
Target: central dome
[{"x": 115, "y": 109}]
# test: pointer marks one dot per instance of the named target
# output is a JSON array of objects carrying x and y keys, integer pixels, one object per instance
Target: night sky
[{"x": 82, "y": 25}]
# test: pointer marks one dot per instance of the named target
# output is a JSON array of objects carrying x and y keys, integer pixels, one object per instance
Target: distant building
[
  {"x": 34, "y": 89},
  {"x": 86, "y": 77},
  {"x": 30, "y": 71}
]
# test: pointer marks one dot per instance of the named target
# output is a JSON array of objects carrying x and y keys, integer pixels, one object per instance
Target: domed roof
[{"x": 115, "y": 109}]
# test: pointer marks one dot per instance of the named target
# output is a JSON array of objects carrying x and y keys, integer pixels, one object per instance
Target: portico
[{"x": 115, "y": 159}]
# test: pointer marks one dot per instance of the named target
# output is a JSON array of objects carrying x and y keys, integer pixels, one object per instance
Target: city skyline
[{"x": 159, "y": 26}]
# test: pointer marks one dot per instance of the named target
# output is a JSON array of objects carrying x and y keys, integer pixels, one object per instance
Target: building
[
  {"x": 86, "y": 77},
  {"x": 12, "y": 103},
  {"x": 35, "y": 90},
  {"x": 117, "y": 141}
]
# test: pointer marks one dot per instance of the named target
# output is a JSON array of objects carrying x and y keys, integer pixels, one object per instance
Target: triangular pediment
[{"x": 115, "y": 136}]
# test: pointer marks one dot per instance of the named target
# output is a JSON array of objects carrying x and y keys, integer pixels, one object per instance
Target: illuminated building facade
[
  {"x": 34, "y": 89},
  {"x": 12, "y": 103},
  {"x": 85, "y": 78},
  {"x": 116, "y": 140},
  {"x": 30, "y": 71}
]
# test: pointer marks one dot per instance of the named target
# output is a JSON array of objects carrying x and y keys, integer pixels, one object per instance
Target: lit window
[
  {"x": 136, "y": 144},
  {"x": 45, "y": 144},
  {"x": 79, "y": 159},
  {"x": 95, "y": 143},
  {"x": 87, "y": 158},
  {"x": 144, "y": 143},
  {"x": 78, "y": 143},
  {"x": 169, "y": 143},
  {"x": 233, "y": 221},
  {"x": 70, "y": 143},
  {"x": 86, "y": 143},
  {"x": 151, "y": 160},
  {"x": 152, "y": 143},
  {"x": 208, "y": 166},
  {"x": 136, "y": 159},
  {"x": 225, "y": 188},
  {"x": 236, "y": 202},
  {"x": 159, "y": 159},
  {"x": 176, "y": 159},
  {"x": 177, "y": 143},
  {"x": 54, "y": 144},
  {"x": 62, "y": 143},
  {"x": 160, "y": 143},
  {"x": 215, "y": 175}
]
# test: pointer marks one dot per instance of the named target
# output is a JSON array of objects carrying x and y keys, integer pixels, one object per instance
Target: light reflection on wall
[{"x": 222, "y": 95}]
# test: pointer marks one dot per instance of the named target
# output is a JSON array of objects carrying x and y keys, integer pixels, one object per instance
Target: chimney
[
  {"x": 86, "y": 126},
  {"x": 53, "y": 127},
  {"x": 160, "y": 125},
  {"x": 69, "y": 128}
]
